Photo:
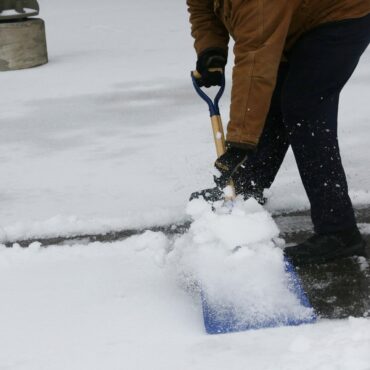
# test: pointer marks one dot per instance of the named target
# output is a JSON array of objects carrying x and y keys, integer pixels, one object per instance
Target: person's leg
[
  {"x": 321, "y": 63},
  {"x": 260, "y": 170}
]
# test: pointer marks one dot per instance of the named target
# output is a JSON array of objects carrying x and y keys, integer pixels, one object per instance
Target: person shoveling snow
[
  {"x": 286, "y": 86},
  {"x": 292, "y": 59}
]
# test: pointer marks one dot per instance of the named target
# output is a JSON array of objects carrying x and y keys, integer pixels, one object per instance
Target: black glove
[
  {"x": 211, "y": 58},
  {"x": 230, "y": 163}
]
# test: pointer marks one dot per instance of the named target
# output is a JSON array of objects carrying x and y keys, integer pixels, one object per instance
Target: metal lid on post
[{"x": 18, "y": 9}]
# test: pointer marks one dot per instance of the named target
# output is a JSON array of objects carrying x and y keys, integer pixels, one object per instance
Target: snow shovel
[
  {"x": 228, "y": 321},
  {"x": 216, "y": 121}
]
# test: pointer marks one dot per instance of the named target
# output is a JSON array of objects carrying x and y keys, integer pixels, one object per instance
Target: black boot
[{"x": 327, "y": 247}]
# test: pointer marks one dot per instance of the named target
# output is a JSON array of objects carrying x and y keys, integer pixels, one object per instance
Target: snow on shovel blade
[
  {"x": 224, "y": 318},
  {"x": 224, "y": 277}
]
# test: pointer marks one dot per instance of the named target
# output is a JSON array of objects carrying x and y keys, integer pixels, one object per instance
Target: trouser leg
[
  {"x": 320, "y": 64},
  {"x": 260, "y": 170}
]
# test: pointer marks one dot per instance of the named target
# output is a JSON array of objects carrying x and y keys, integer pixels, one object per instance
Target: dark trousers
[{"x": 303, "y": 114}]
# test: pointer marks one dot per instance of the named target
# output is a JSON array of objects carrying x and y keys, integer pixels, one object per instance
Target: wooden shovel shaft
[
  {"x": 218, "y": 135},
  {"x": 217, "y": 128}
]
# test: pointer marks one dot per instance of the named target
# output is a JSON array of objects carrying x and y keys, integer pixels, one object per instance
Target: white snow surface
[
  {"x": 120, "y": 306},
  {"x": 110, "y": 135}
]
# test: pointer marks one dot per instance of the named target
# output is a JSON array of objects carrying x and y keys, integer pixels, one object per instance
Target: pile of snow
[{"x": 230, "y": 254}]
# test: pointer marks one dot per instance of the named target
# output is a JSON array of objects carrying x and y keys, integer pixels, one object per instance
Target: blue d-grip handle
[{"x": 214, "y": 109}]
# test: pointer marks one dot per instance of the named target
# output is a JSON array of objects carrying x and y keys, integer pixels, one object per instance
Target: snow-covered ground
[
  {"x": 110, "y": 135},
  {"x": 119, "y": 307}
]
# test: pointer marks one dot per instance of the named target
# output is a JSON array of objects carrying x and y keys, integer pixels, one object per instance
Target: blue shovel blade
[{"x": 220, "y": 320}]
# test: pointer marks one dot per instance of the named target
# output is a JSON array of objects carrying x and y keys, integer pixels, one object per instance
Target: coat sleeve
[
  {"x": 207, "y": 29},
  {"x": 260, "y": 29}
]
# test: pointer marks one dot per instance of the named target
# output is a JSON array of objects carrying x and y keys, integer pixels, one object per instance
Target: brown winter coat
[{"x": 262, "y": 30}]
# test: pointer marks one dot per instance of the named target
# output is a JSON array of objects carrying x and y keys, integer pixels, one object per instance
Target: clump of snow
[
  {"x": 233, "y": 224},
  {"x": 365, "y": 228},
  {"x": 8, "y": 12},
  {"x": 229, "y": 255}
]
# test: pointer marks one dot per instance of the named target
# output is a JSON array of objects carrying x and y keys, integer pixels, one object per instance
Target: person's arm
[
  {"x": 207, "y": 30},
  {"x": 260, "y": 28}
]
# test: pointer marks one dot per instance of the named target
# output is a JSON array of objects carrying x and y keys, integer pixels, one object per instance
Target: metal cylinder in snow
[
  {"x": 22, "y": 39},
  {"x": 22, "y": 44}
]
